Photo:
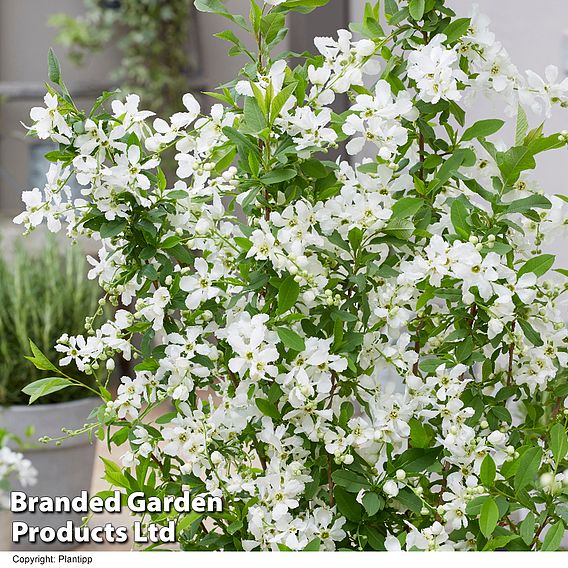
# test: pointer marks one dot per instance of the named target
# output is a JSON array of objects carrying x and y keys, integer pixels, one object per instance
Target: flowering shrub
[
  {"x": 365, "y": 353},
  {"x": 13, "y": 464}
]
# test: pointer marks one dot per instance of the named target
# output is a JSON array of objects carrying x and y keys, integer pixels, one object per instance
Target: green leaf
[
  {"x": 419, "y": 435},
  {"x": 545, "y": 143},
  {"x": 526, "y": 528},
  {"x": 416, "y": 8},
  {"x": 529, "y": 464},
  {"x": 539, "y": 265},
  {"x": 416, "y": 459},
  {"x": 186, "y": 521},
  {"x": 313, "y": 546},
  {"x": 240, "y": 140},
  {"x": 170, "y": 242},
  {"x": 372, "y": 503},
  {"x": 43, "y": 387},
  {"x": 291, "y": 339},
  {"x": 350, "y": 481},
  {"x": 474, "y": 506},
  {"x": 406, "y": 207},
  {"x": 456, "y": 29},
  {"x": 530, "y": 333},
  {"x": 347, "y": 504},
  {"x": 217, "y": 7},
  {"x": 487, "y": 471},
  {"x": 400, "y": 228},
  {"x": 464, "y": 349},
  {"x": 558, "y": 442},
  {"x": 409, "y": 499},
  {"x": 390, "y": 7},
  {"x": 375, "y": 539},
  {"x": 302, "y": 6},
  {"x": 267, "y": 408},
  {"x": 280, "y": 100},
  {"x": 255, "y": 120},
  {"x": 182, "y": 253},
  {"x": 522, "y": 126},
  {"x": 112, "y": 228},
  {"x": 526, "y": 203},
  {"x": 288, "y": 294},
  {"x": 553, "y": 537},
  {"x": 482, "y": 129},
  {"x": 161, "y": 179},
  {"x": 114, "y": 475},
  {"x": 53, "y": 67},
  {"x": 448, "y": 169},
  {"x": 488, "y": 517},
  {"x": 459, "y": 214},
  {"x": 500, "y": 541},
  {"x": 515, "y": 161},
  {"x": 231, "y": 37},
  {"x": 39, "y": 360},
  {"x": 278, "y": 176}
]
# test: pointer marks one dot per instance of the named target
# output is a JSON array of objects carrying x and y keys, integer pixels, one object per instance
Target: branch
[
  {"x": 511, "y": 349},
  {"x": 330, "y": 483}
]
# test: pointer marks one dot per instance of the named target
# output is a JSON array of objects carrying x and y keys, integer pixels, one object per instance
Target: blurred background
[{"x": 163, "y": 48}]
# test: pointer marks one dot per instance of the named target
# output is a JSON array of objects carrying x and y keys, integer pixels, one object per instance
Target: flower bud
[
  {"x": 390, "y": 488},
  {"x": 546, "y": 479}
]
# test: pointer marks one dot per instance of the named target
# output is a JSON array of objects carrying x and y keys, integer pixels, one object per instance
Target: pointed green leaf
[
  {"x": 482, "y": 129},
  {"x": 488, "y": 517},
  {"x": 288, "y": 294},
  {"x": 553, "y": 537},
  {"x": 488, "y": 471},
  {"x": 558, "y": 442},
  {"x": 539, "y": 265},
  {"x": 416, "y": 8},
  {"x": 43, "y": 387},
  {"x": 529, "y": 464},
  {"x": 290, "y": 339},
  {"x": 267, "y": 408},
  {"x": 526, "y": 528},
  {"x": 53, "y": 67}
]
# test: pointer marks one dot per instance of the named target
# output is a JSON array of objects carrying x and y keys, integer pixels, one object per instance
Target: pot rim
[{"x": 33, "y": 408}]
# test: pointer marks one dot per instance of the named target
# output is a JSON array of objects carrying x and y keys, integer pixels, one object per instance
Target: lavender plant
[
  {"x": 42, "y": 295},
  {"x": 376, "y": 358}
]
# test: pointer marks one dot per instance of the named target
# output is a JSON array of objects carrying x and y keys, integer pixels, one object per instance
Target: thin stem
[
  {"x": 330, "y": 483},
  {"x": 511, "y": 350}
]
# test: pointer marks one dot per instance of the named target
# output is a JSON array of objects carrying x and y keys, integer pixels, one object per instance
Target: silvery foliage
[{"x": 376, "y": 358}]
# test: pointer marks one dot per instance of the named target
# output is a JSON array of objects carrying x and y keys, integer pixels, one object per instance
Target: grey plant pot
[{"x": 62, "y": 470}]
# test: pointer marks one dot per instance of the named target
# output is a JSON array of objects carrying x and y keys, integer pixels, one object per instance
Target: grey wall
[{"x": 24, "y": 41}]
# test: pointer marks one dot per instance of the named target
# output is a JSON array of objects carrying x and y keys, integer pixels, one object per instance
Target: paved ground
[{"x": 116, "y": 519}]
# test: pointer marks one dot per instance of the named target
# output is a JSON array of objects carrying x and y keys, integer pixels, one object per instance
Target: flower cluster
[
  {"x": 14, "y": 464},
  {"x": 363, "y": 353}
]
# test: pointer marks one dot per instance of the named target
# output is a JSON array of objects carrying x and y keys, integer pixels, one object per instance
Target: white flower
[
  {"x": 200, "y": 285},
  {"x": 436, "y": 72},
  {"x": 49, "y": 123},
  {"x": 390, "y": 488}
]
